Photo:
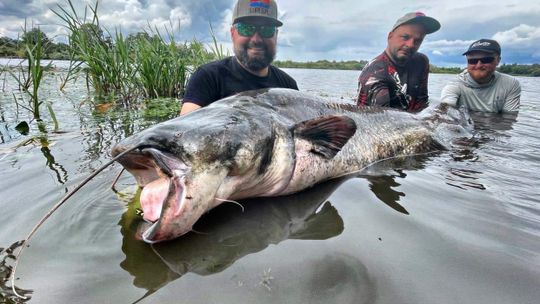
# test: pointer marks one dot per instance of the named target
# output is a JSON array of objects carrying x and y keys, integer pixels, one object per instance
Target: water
[{"x": 456, "y": 227}]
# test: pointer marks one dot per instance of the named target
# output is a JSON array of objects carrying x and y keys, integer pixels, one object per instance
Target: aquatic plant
[
  {"x": 31, "y": 75},
  {"x": 106, "y": 63},
  {"x": 149, "y": 64},
  {"x": 163, "y": 67},
  {"x": 216, "y": 48}
]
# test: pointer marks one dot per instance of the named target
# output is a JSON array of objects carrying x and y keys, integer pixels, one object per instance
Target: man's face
[
  {"x": 255, "y": 52},
  {"x": 482, "y": 65},
  {"x": 404, "y": 41}
]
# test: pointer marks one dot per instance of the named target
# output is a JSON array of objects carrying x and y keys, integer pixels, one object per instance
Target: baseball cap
[
  {"x": 256, "y": 10},
  {"x": 430, "y": 24},
  {"x": 484, "y": 45}
]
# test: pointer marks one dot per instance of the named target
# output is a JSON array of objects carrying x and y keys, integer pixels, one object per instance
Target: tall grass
[
  {"x": 107, "y": 65},
  {"x": 72, "y": 72},
  {"x": 216, "y": 48},
  {"x": 163, "y": 67},
  {"x": 30, "y": 77},
  {"x": 150, "y": 65}
]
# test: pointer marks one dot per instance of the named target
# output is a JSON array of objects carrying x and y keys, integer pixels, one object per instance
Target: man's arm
[
  {"x": 188, "y": 106},
  {"x": 450, "y": 94},
  {"x": 511, "y": 104},
  {"x": 372, "y": 92},
  {"x": 200, "y": 91}
]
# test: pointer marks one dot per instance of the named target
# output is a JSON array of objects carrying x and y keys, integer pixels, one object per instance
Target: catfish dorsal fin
[{"x": 328, "y": 134}]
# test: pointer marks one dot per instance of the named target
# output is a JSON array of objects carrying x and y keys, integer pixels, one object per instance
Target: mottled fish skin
[{"x": 270, "y": 142}]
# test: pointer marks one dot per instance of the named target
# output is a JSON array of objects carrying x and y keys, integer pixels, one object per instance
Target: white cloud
[
  {"x": 313, "y": 30},
  {"x": 522, "y": 34}
]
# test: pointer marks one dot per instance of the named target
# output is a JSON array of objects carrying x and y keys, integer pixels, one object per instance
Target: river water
[{"x": 461, "y": 226}]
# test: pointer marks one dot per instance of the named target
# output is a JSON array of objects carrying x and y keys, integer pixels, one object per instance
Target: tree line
[{"x": 14, "y": 48}]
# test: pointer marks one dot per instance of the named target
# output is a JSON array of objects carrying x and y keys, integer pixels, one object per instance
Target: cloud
[
  {"x": 312, "y": 30},
  {"x": 519, "y": 35}
]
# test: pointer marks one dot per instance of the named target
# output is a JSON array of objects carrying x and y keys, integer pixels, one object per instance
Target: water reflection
[
  {"x": 60, "y": 172},
  {"x": 493, "y": 123},
  {"x": 227, "y": 234},
  {"x": 382, "y": 178},
  {"x": 4, "y": 132},
  {"x": 110, "y": 124},
  {"x": 488, "y": 127},
  {"x": 340, "y": 278},
  {"x": 42, "y": 142},
  {"x": 6, "y": 292}
]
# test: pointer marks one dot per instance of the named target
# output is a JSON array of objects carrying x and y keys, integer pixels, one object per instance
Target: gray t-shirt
[{"x": 501, "y": 94}]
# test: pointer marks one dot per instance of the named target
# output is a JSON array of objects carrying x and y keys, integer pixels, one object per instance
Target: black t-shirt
[{"x": 223, "y": 78}]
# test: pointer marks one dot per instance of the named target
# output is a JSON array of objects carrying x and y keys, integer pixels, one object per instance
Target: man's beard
[
  {"x": 402, "y": 60},
  {"x": 257, "y": 63}
]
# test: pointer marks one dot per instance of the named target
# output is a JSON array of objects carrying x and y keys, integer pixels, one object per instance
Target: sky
[{"x": 313, "y": 30}]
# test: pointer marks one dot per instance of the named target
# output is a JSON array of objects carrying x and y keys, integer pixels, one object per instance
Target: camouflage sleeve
[
  {"x": 421, "y": 100},
  {"x": 372, "y": 91}
]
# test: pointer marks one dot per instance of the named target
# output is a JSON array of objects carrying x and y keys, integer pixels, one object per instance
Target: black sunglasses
[
  {"x": 248, "y": 30},
  {"x": 482, "y": 60}
]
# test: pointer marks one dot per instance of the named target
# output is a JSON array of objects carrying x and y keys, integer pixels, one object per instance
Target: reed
[
  {"x": 105, "y": 62},
  {"x": 31, "y": 75},
  {"x": 162, "y": 66},
  {"x": 217, "y": 49},
  {"x": 72, "y": 72},
  {"x": 149, "y": 65}
]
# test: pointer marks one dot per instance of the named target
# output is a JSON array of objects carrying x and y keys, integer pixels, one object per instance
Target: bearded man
[
  {"x": 254, "y": 33},
  {"x": 398, "y": 77}
]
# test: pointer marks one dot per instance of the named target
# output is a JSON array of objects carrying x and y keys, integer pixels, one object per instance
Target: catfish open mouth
[{"x": 163, "y": 196}]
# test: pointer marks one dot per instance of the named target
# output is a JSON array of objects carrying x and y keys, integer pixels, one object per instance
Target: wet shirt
[
  {"x": 501, "y": 94},
  {"x": 383, "y": 83},
  {"x": 223, "y": 78}
]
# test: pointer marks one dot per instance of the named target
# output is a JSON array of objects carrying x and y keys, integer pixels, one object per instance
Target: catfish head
[{"x": 190, "y": 164}]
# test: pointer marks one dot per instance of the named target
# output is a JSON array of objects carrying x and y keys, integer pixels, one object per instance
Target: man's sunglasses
[
  {"x": 484, "y": 60},
  {"x": 248, "y": 30}
]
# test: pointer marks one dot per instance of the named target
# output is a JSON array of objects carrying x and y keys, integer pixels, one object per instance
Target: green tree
[
  {"x": 86, "y": 34},
  {"x": 133, "y": 38},
  {"x": 8, "y": 47},
  {"x": 34, "y": 36}
]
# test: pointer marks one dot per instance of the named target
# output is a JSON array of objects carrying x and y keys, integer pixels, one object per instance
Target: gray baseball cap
[
  {"x": 257, "y": 11},
  {"x": 430, "y": 24}
]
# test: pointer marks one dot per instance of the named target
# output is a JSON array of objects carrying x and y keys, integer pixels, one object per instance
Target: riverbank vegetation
[
  {"x": 14, "y": 48},
  {"x": 323, "y": 64},
  {"x": 118, "y": 69},
  {"x": 512, "y": 69}
]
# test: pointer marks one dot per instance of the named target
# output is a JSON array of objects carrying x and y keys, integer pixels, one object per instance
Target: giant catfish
[{"x": 267, "y": 142}]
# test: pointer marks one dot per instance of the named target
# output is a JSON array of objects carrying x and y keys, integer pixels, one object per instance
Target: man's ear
[{"x": 390, "y": 35}]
